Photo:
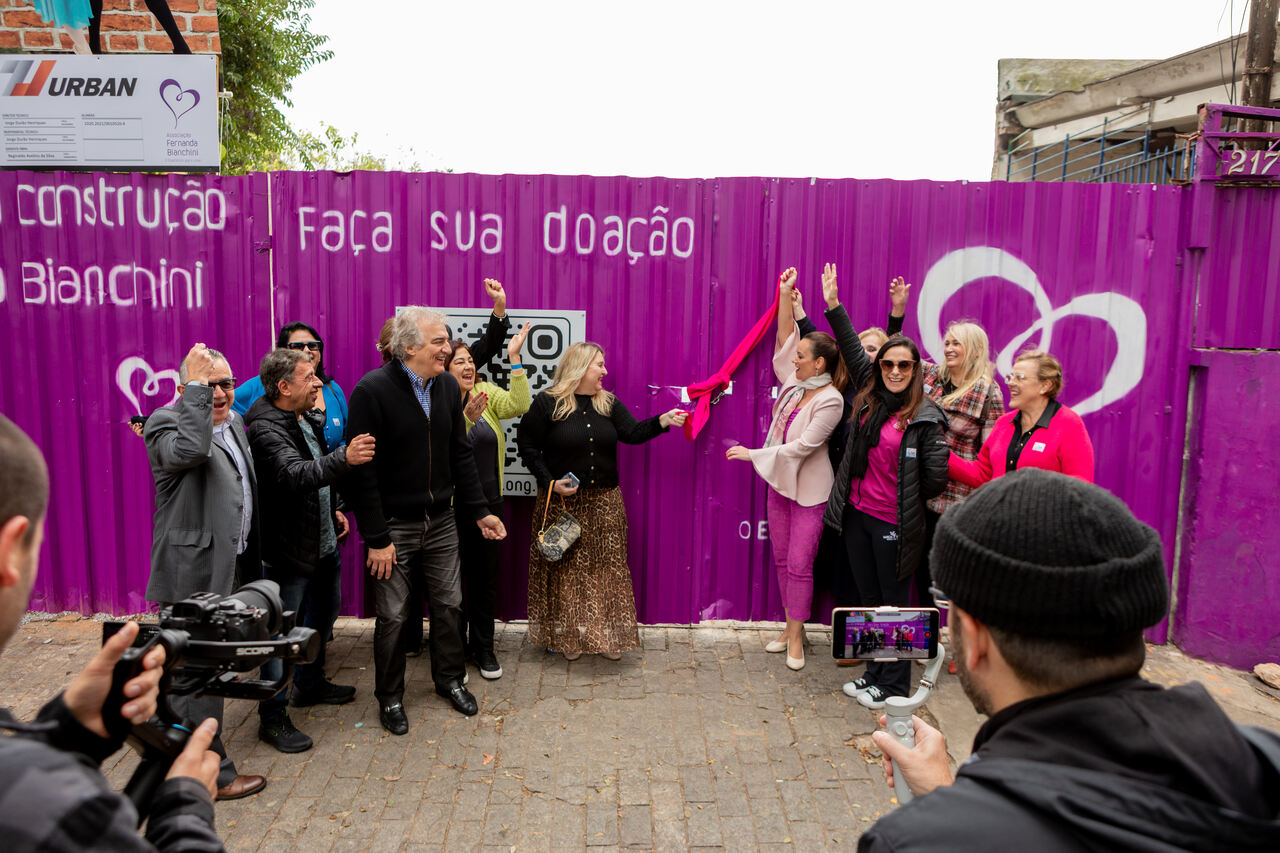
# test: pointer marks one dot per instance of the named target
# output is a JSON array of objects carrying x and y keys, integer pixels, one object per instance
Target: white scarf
[
  {"x": 778, "y": 427},
  {"x": 813, "y": 383}
]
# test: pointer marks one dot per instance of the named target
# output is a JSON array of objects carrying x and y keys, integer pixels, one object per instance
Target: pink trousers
[{"x": 794, "y": 532}]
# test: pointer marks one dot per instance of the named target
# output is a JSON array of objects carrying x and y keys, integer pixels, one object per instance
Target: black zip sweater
[{"x": 418, "y": 462}]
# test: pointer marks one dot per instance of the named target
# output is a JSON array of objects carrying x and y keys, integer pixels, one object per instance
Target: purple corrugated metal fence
[
  {"x": 106, "y": 282},
  {"x": 670, "y": 273}
]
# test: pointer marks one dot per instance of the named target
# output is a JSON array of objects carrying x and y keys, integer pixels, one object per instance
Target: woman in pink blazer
[{"x": 794, "y": 461}]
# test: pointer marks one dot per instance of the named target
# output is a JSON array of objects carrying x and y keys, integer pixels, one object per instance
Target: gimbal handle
[{"x": 898, "y": 711}]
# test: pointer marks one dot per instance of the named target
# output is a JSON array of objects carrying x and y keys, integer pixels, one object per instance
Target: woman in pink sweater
[
  {"x": 794, "y": 461},
  {"x": 1038, "y": 432}
]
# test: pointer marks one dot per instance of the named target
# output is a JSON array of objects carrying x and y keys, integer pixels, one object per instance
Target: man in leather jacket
[{"x": 302, "y": 524}]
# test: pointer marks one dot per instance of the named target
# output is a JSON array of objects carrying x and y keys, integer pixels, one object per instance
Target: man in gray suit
[{"x": 204, "y": 538}]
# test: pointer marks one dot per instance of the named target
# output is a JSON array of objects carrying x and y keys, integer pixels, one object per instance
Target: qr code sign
[{"x": 550, "y": 336}]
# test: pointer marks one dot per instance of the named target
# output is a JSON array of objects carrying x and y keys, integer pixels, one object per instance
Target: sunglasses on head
[
  {"x": 314, "y": 346},
  {"x": 904, "y": 366}
]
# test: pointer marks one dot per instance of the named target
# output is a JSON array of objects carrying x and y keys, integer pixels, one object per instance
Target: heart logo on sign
[
  {"x": 151, "y": 380},
  {"x": 1125, "y": 316},
  {"x": 180, "y": 101}
]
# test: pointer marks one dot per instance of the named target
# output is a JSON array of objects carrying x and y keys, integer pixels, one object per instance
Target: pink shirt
[{"x": 877, "y": 493}]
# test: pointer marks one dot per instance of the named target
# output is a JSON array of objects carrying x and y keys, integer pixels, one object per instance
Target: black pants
[
  {"x": 428, "y": 548},
  {"x": 924, "y": 574},
  {"x": 479, "y": 583},
  {"x": 872, "y": 545},
  {"x": 159, "y": 8}
]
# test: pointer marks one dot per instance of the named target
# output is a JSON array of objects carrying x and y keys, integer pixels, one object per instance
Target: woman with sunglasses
[
  {"x": 332, "y": 403},
  {"x": 895, "y": 459},
  {"x": 1038, "y": 432}
]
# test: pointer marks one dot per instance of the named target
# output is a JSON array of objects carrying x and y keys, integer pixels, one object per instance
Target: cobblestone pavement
[{"x": 698, "y": 740}]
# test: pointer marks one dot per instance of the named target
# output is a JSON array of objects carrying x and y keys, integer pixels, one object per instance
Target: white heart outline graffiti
[
  {"x": 1125, "y": 316},
  {"x": 151, "y": 383}
]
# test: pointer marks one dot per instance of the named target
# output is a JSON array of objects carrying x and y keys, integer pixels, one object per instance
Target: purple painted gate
[{"x": 670, "y": 273}]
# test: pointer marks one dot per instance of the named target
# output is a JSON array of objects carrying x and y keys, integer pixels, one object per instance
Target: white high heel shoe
[
  {"x": 776, "y": 646},
  {"x": 797, "y": 663}
]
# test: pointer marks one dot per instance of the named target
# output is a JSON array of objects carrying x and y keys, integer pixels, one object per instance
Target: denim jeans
[{"x": 316, "y": 599}]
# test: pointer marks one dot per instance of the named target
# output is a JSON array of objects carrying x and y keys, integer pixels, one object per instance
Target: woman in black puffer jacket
[{"x": 895, "y": 459}]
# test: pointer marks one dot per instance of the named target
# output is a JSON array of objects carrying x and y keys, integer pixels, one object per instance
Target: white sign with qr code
[{"x": 550, "y": 336}]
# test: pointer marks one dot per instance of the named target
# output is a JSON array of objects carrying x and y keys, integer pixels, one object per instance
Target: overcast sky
[{"x": 704, "y": 89}]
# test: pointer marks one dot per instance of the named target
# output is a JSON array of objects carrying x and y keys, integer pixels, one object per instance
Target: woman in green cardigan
[{"x": 485, "y": 405}]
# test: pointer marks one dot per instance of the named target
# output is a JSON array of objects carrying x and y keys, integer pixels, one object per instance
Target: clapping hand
[{"x": 476, "y": 405}]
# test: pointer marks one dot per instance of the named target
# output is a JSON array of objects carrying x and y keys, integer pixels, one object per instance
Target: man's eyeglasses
[
  {"x": 314, "y": 346},
  {"x": 887, "y": 366},
  {"x": 228, "y": 384}
]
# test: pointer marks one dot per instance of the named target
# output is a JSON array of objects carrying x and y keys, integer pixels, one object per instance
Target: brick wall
[{"x": 127, "y": 27}]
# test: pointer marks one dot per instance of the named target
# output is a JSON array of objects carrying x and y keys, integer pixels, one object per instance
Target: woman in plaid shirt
[{"x": 964, "y": 387}]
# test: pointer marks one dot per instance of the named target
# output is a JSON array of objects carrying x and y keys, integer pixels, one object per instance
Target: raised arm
[
  {"x": 483, "y": 350},
  {"x": 899, "y": 293},
  {"x": 855, "y": 357},
  {"x": 514, "y": 401},
  {"x": 786, "y": 315}
]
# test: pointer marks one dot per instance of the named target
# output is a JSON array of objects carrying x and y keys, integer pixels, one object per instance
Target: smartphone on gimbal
[{"x": 884, "y": 633}]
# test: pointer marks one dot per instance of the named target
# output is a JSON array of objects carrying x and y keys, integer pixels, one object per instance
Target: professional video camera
[{"x": 207, "y": 639}]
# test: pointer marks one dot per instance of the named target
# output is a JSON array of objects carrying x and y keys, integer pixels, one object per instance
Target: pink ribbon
[{"x": 700, "y": 393}]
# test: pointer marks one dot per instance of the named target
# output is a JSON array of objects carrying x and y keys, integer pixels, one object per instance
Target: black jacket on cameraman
[
  {"x": 922, "y": 458},
  {"x": 1120, "y": 765},
  {"x": 289, "y": 482},
  {"x": 54, "y": 798}
]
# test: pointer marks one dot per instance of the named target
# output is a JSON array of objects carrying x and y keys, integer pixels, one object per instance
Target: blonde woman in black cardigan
[{"x": 583, "y": 602}]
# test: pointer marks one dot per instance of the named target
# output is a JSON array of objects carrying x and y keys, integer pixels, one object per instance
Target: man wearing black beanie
[{"x": 1052, "y": 581}]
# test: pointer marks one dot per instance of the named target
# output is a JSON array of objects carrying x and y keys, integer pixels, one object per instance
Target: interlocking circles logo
[{"x": 1125, "y": 316}]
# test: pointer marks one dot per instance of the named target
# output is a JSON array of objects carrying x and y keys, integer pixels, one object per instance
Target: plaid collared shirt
[
  {"x": 421, "y": 388},
  {"x": 977, "y": 410}
]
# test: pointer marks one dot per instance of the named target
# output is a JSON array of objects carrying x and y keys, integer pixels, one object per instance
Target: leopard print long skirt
[{"x": 583, "y": 602}]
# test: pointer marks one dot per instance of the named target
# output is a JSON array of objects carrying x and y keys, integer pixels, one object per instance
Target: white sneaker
[
  {"x": 873, "y": 698},
  {"x": 856, "y": 688}
]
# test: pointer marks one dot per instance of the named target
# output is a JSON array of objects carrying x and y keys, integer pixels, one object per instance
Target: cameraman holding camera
[
  {"x": 1052, "y": 581},
  {"x": 52, "y": 795}
]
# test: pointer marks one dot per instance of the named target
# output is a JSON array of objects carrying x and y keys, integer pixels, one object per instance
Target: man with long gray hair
[{"x": 404, "y": 503}]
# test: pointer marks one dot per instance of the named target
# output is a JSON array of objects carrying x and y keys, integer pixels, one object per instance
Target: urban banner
[{"x": 147, "y": 113}]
